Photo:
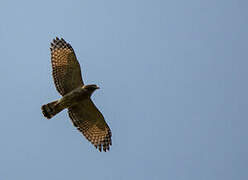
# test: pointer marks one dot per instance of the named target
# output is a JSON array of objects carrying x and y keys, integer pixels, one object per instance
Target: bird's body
[
  {"x": 73, "y": 97},
  {"x": 76, "y": 96},
  {"x": 69, "y": 100}
]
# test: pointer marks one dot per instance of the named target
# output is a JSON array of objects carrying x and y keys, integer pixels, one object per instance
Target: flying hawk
[{"x": 76, "y": 96}]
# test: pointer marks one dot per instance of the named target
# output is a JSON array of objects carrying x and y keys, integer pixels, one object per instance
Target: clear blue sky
[{"x": 173, "y": 77}]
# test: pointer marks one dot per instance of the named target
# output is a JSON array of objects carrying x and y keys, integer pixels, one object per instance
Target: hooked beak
[{"x": 97, "y": 87}]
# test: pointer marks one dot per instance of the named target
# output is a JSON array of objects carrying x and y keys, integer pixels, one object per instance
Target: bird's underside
[{"x": 76, "y": 96}]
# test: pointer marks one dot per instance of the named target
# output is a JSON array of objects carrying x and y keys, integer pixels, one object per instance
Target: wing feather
[
  {"x": 89, "y": 120},
  {"x": 66, "y": 69}
]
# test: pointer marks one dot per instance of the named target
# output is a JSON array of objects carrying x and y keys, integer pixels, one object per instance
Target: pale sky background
[{"x": 173, "y": 77}]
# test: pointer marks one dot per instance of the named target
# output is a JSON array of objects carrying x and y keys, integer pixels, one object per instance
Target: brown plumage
[
  {"x": 76, "y": 96},
  {"x": 66, "y": 69}
]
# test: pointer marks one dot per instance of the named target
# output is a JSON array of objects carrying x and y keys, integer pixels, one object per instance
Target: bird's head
[{"x": 90, "y": 88}]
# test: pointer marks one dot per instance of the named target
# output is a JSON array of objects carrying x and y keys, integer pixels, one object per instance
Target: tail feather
[{"x": 51, "y": 109}]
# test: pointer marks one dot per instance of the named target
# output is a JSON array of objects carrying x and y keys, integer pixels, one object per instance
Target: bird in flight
[{"x": 76, "y": 97}]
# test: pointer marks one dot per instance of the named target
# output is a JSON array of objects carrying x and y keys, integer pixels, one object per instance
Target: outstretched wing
[
  {"x": 66, "y": 69},
  {"x": 89, "y": 120}
]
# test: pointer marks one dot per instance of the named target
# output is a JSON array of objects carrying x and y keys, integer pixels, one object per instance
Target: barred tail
[{"x": 51, "y": 109}]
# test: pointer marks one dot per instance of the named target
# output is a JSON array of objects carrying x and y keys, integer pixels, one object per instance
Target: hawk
[{"x": 76, "y": 97}]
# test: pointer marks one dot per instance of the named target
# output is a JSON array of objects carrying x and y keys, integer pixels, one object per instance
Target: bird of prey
[{"x": 76, "y": 97}]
